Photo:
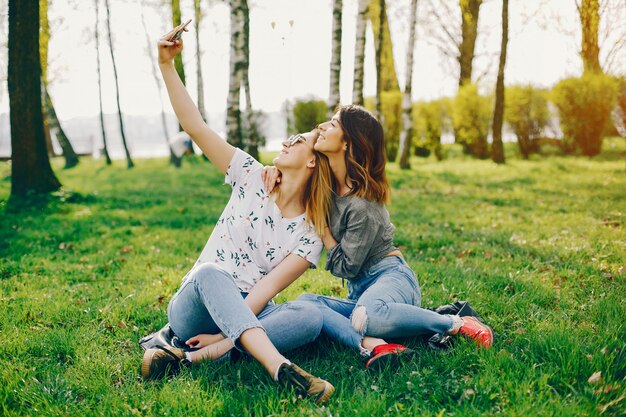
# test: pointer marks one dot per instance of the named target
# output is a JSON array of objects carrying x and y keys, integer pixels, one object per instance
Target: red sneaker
[
  {"x": 477, "y": 331},
  {"x": 386, "y": 355}
]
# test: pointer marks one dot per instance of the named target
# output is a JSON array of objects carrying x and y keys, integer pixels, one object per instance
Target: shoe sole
[
  {"x": 390, "y": 360},
  {"x": 329, "y": 389},
  {"x": 146, "y": 361}
]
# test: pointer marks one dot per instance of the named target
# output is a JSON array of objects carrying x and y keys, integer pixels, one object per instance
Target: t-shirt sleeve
[
  {"x": 347, "y": 258},
  {"x": 241, "y": 166},
  {"x": 310, "y": 247}
]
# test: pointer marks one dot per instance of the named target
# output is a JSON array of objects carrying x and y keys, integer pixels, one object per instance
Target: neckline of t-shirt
[{"x": 298, "y": 217}]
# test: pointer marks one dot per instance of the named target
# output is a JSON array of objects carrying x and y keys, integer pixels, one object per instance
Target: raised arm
[{"x": 212, "y": 145}]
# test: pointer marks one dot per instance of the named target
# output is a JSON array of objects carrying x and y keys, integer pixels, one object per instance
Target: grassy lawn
[{"x": 537, "y": 246}]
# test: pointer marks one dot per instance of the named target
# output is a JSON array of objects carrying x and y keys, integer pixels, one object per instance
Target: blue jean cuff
[{"x": 234, "y": 336}]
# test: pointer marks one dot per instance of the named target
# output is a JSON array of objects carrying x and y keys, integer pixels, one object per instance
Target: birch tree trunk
[
  {"x": 469, "y": 32},
  {"x": 198, "y": 18},
  {"x": 335, "y": 61},
  {"x": 30, "y": 166},
  {"x": 379, "y": 49},
  {"x": 157, "y": 81},
  {"x": 105, "y": 148},
  {"x": 117, "y": 88},
  {"x": 497, "y": 149},
  {"x": 359, "y": 52},
  {"x": 406, "y": 135},
  {"x": 234, "y": 131},
  {"x": 251, "y": 138}
]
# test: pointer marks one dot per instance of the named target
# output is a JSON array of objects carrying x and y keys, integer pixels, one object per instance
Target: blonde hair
[{"x": 317, "y": 194}]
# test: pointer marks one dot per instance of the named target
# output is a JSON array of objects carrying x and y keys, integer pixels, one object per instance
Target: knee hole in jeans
[{"x": 359, "y": 319}]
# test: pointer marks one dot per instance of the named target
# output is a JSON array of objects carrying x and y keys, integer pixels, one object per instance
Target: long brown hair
[{"x": 365, "y": 155}]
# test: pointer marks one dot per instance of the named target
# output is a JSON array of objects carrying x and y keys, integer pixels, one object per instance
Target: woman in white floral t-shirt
[{"x": 259, "y": 246}]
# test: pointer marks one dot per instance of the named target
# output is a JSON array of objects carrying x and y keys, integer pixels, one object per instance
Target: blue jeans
[
  {"x": 390, "y": 294},
  {"x": 208, "y": 301}
]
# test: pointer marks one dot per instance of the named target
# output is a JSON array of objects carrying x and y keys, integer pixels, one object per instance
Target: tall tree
[
  {"x": 157, "y": 80},
  {"x": 335, "y": 60},
  {"x": 469, "y": 33},
  {"x": 251, "y": 139},
  {"x": 104, "y": 136},
  {"x": 379, "y": 35},
  {"x": 407, "y": 104},
  {"x": 117, "y": 88},
  {"x": 589, "y": 13},
  {"x": 359, "y": 52},
  {"x": 382, "y": 35},
  {"x": 197, "y": 8},
  {"x": 234, "y": 131},
  {"x": 44, "y": 36},
  {"x": 497, "y": 149},
  {"x": 51, "y": 120},
  {"x": 30, "y": 168}
]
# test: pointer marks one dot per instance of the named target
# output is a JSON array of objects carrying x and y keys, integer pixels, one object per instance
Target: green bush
[
  {"x": 308, "y": 113},
  {"x": 471, "y": 118},
  {"x": 526, "y": 112},
  {"x": 431, "y": 119},
  {"x": 584, "y": 105},
  {"x": 391, "y": 106}
]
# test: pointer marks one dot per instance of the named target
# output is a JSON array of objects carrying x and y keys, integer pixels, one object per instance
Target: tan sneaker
[
  {"x": 304, "y": 383},
  {"x": 160, "y": 361}
]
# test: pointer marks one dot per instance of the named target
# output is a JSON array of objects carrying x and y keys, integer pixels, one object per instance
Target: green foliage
[
  {"x": 308, "y": 113},
  {"x": 391, "y": 107},
  {"x": 84, "y": 275},
  {"x": 431, "y": 119},
  {"x": 584, "y": 105},
  {"x": 471, "y": 118},
  {"x": 526, "y": 112},
  {"x": 619, "y": 116}
]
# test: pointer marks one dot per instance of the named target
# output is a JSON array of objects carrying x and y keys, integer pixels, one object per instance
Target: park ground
[{"x": 537, "y": 246}]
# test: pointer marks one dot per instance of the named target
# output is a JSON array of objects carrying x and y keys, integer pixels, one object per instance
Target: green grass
[{"x": 537, "y": 246}]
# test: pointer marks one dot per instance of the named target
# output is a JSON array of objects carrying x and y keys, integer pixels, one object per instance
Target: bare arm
[
  {"x": 212, "y": 145},
  {"x": 286, "y": 272}
]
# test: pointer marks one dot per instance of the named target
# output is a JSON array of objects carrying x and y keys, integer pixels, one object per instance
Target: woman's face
[
  {"x": 297, "y": 151},
  {"x": 331, "y": 139}
]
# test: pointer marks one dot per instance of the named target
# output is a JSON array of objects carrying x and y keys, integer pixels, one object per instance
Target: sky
[{"x": 287, "y": 60}]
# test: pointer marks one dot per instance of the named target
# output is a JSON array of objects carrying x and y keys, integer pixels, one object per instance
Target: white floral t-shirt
[{"x": 251, "y": 236}]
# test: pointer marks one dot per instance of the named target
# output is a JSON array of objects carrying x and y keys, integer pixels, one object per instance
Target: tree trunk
[
  {"x": 379, "y": 49},
  {"x": 497, "y": 149},
  {"x": 359, "y": 52},
  {"x": 380, "y": 23},
  {"x": 469, "y": 31},
  {"x": 251, "y": 138},
  {"x": 589, "y": 13},
  {"x": 149, "y": 48},
  {"x": 44, "y": 37},
  {"x": 51, "y": 120},
  {"x": 234, "y": 131},
  {"x": 117, "y": 89},
  {"x": 407, "y": 105},
  {"x": 335, "y": 60},
  {"x": 30, "y": 167},
  {"x": 71, "y": 159},
  {"x": 198, "y": 18},
  {"x": 104, "y": 137}
]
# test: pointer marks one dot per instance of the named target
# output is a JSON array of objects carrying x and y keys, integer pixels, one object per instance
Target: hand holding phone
[{"x": 178, "y": 31}]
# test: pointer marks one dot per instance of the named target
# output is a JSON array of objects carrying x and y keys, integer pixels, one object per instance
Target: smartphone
[{"x": 181, "y": 28}]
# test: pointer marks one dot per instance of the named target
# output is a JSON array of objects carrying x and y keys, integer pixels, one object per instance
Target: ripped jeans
[{"x": 390, "y": 295}]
